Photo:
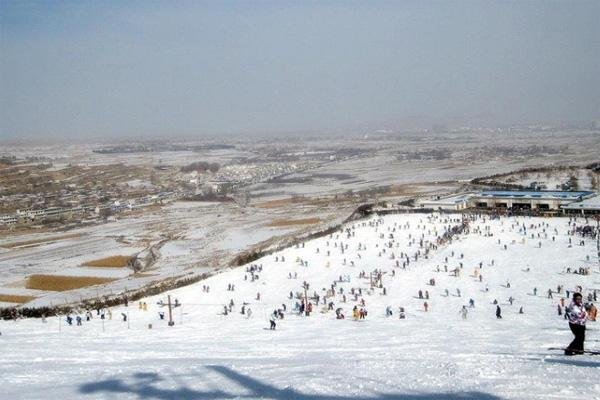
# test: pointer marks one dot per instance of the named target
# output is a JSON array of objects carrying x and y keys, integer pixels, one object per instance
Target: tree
[
  {"x": 573, "y": 182},
  {"x": 106, "y": 212},
  {"x": 594, "y": 180}
]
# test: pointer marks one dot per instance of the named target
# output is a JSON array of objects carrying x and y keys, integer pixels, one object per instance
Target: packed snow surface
[{"x": 433, "y": 354}]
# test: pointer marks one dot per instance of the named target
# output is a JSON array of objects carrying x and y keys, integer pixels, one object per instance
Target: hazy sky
[{"x": 185, "y": 68}]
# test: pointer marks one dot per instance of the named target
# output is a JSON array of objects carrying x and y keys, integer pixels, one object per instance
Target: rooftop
[
  {"x": 454, "y": 199},
  {"x": 593, "y": 203},
  {"x": 554, "y": 194}
]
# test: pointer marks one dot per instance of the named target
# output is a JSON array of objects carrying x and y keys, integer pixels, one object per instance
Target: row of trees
[{"x": 201, "y": 166}]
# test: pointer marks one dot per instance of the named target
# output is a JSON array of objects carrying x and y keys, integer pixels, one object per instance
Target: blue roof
[{"x": 563, "y": 194}]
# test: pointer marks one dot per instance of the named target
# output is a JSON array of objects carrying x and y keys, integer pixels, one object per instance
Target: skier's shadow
[
  {"x": 145, "y": 386},
  {"x": 576, "y": 363}
]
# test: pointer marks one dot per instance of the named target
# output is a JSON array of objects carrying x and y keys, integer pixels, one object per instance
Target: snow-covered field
[
  {"x": 434, "y": 354},
  {"x": 199, "y": 237}
]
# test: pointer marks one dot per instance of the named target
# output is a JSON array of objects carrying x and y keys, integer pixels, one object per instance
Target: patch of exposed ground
[
  {"x": 36, "y": 242},
  {"x": 293, "y": 222},
  {"x": 60, "y": 283},
  {"x": 13, "y": 298},
  {"x": 109, "y": 262}
]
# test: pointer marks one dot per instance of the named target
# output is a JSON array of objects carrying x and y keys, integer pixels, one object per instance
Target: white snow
[
  {"x": 429, "y": 355},
  {"x": 101, "y": 272},
  {"x": 240, "y": 239}
]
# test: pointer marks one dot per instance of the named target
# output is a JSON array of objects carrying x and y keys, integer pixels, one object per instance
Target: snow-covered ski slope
[{"x": 429, "y": 355}]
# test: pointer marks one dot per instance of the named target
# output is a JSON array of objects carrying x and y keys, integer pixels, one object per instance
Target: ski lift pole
[
  {"x": 598, "y": 238},
  {"x": 305, "y": 299},
  {"x": 171, "y": 323}
]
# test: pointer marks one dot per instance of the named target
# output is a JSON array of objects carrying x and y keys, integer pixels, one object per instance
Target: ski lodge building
[
  {"x": 450, "y": 203},
  {"x": 528, "y": 200},
  {"x": 541, "y": 200},
  {"x": 587, "y": 206}
]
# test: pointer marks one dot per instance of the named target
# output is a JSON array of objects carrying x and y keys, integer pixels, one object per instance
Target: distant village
[{"x": 39, "y": 193}]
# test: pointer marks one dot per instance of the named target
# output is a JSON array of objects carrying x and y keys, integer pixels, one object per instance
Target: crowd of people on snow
[{"x": 420, "y": 242}]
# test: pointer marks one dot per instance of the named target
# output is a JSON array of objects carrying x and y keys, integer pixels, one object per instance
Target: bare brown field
[
  {"x": 59, "y": 283},
  {"x": 39, "y": 241},
  {"x": 399, "y": 190},
  {"x": 14, "y": 230},
  {"x": 292, "y": 222},
  {"x": 109, "y": 262},
  {"x": 13, "y": 298},
  {"x": 307, "y": 201},
  {"x": 276, "y": 203}
]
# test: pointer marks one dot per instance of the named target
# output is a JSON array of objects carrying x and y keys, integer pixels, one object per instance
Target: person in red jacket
[{"x": 592, "y": 312}]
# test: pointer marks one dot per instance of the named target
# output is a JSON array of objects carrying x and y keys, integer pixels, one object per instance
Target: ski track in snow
[{"x": 429, "y": 355}]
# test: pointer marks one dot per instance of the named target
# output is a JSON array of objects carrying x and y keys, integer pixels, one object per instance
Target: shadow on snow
[
  {"x": 576, "y": 363},
  {"x": 144, "y": 388}
]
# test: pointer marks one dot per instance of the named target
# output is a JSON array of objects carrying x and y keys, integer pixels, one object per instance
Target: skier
[
  {"x": 401, "y": 313},
  {"x": 577, "y": 317},
  {"x": 498, "y": 312},
  {"x": 272, "y": 321},
  {"x": 464, "y": 312},
  {"x": 388, "y": 311},
  {"x": 362, "y": 313}
]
